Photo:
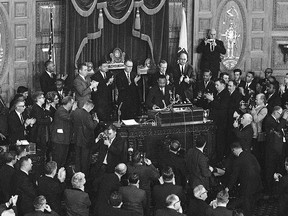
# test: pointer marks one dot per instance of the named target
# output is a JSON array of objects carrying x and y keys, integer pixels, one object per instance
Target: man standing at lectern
[{"x": 211, "y": 49}]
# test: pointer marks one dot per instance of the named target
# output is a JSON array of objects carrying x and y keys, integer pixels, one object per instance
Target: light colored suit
[{"x": 82, "y": 90}]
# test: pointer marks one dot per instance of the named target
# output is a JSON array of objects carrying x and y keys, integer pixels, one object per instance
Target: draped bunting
[{"x": 84, "y": 41}]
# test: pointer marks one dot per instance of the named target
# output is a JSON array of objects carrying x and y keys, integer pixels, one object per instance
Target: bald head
[
  {"x": 246, "y": 119},
  {"x": 121, "y": 169}
]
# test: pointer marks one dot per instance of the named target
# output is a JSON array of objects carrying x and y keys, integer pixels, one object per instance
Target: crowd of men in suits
[{"x": 250, "y": 116}]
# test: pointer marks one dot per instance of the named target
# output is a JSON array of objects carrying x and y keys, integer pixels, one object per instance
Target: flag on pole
[
  {"x": 183, "y": 33},
  {"x": 51, "y": 51}
]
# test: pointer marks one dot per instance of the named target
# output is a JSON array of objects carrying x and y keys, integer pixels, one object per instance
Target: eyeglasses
[{"x": 22, "y": 106}]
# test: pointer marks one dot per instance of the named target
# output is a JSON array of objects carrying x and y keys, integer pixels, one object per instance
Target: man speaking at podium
[{"x": 159, "y": 95}]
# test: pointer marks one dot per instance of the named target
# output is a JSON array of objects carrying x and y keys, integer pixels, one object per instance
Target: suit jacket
[
  {"x": 15, "y": 127},
  {"x": 246, "y": 170},
  {"x": 198, "y": 207},
  {"x": 258, "y": 117},
  {"x": 221, "y": 211},
  {"x": 184, "y": 89},
  {"x": 168, "y": 212},
  {"x": 134, "y": 199},
  {"x": 156, "y": 97},
  {"x": 274, "y": 134},
  {"x": 24, "y": 187},
  {"x": 147, "y": 174},
  {"x": 128, "y": 94},
  {"x": 155, "y": 76},
  {"x": 245, "y": 136},
  {"x": 6, "y": 173},
  {"x": 210, "y": 59},
  {"x": 160, "y": 193},
  {"x": 77, "y": 202},
  {"x": 273, "y": 101},
  {"x": 47, "y": 83},
  {"x": 177, "y": 163},
  {"x": 234, "y": 102},
  {"x": 40, "y": 213},
  {"x": 103, "y": 187},
  {"x": 82, "y": 90},
  {"x": 200, "y": 87},
  {"x": 220, "y": 105},
  {"x": 102, "y": 98},
  {"x": 198, "y": 168},
  {"x": 83, "y": 128},
  {"x": 53, "y": 190},
  {"x": 114, "y": 153},
  {"x": 252, "y": 86},
  {"x": 61, "y": 128},
  {"x": 110, "y": 211},
  {"x": 40, "y": 130},
  {"x": 241, "y": 83}
]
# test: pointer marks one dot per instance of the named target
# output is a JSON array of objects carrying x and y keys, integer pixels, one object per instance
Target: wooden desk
[{"x": 150, "y": 139}]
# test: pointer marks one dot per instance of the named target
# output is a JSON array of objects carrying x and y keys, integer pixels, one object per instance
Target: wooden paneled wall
[
  {"x": 24, "y": 31},
  {"x": 266, "y": 24}
]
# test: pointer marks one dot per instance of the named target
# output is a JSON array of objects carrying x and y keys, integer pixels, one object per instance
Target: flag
[
  {"x": 183, "y": 33},
  {"x": 51, "y": 51}
]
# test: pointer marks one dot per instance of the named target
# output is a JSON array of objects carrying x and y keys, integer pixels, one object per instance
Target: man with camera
[
  {"x": 110, "y": 150},
  {"x": 211, "y": 49}
]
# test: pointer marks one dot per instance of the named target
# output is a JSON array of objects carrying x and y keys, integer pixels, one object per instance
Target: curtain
[{"x": 85, "y": 41}]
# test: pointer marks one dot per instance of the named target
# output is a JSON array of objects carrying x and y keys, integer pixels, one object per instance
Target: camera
[{"x": 103, "y": 136}]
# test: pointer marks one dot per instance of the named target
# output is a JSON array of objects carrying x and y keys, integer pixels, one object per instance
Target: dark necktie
[
  {"x": 128, "y": 77},
  {"x": 104, "y": 75},
  {"x": 182, "y": 69},
  {"x": 21, "y": 119}
]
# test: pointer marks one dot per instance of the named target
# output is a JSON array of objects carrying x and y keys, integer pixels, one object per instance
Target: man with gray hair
[
  {"x": 211, "y": 49},
  {"x": 244, "y": 131},
  {"x": 173, "y": 207},
  {"x": 197, "y": 204},
  {"x": 41, "y": 207}
]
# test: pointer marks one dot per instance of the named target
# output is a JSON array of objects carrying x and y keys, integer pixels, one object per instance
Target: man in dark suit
[
  {"x": 104, "y": 186},
  {"x": 246, "y": 171},
  {"x": 23, "y": 186},
  {"x": 274, "y": 125},
  {"x": 52, "y": 188},
  {"x": 211, "y": 49},
  {"x": 283, "y": 91},
  {"x": 48, "y": 78},
  {"x": 134, "y": 199},
  {"x": 61, "y": 90},
  {"x": 159, "y": 96},
  {"x": 102, "y": 98},
  {"x": 248, "y": 89},
  {"x": 82, "y": 85},
  {"x": 197, "y": 164},
  {"x": 237, "y": 77},
  {"x": 219, "y": 113},
  {"x": 61, "y": 131},
  {"x": 222, "y": 200},
  {"x": 4, "y": 112},
  {"x": 40, "y": 131},
  {"x": 6, "y": 173},
  {"x": 244, "y": 132},
  {"x": 83, "y": 128},
  {"x": 273, "y": 98},
  {"x": 110, "y": 148},
  {"x": 264, "y": 83},
  {"x": 114, "y": 207},
  {"x": 184, "y": 78},
  {"x": 203, "y": 87},
  {"x": 18, "y": 122},
  {"x": 197, "y": 205},
  {"x": 172, "y": 159},
  {"x": 41, "y": 208},
  {"x": 164, "y": 71},
  {"x": 173, "y": 207},
  {"x": 160, "y": 192},
  {"x": 127, "y": 85}
]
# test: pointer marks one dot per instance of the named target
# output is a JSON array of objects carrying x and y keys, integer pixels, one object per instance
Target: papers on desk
[{"x": 130, "y": 122}]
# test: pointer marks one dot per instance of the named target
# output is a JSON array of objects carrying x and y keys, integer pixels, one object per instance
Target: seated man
[
  {"x": 173, "y": 207},
  {"x": 41, "y": 207},
  {"x": 159, "y": 96}
]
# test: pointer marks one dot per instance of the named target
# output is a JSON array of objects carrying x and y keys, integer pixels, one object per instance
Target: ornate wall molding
[
  {"x": 277, "y": 58},
  {"x": 280, "y": 8}
]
